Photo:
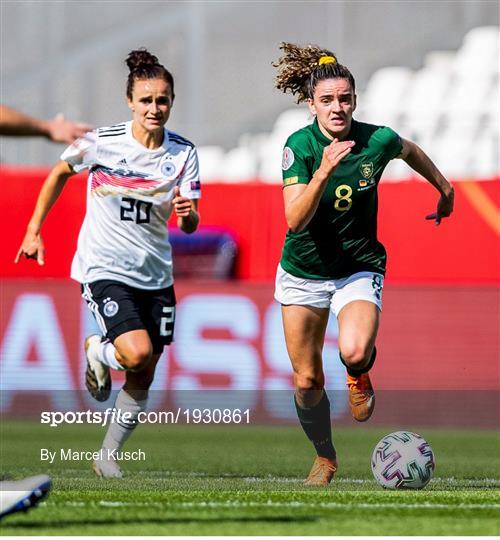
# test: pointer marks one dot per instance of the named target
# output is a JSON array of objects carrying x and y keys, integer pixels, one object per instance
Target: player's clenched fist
[
  {"x": 333, "y": 154},
  {"x": 182, "y": 205}
]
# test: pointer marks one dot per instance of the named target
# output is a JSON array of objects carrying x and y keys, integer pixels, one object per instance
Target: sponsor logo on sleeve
[
  {"x": 290, "y": 181},
  {"x": 288, "y": 158}
]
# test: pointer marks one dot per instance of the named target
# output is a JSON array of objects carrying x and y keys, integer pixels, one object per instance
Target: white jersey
[{"x": 130, "y": 189}]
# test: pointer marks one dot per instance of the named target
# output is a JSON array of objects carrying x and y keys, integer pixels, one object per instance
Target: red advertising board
[
  {"x": 463, "y": 250},
  {"x": 438, "y": 342}
]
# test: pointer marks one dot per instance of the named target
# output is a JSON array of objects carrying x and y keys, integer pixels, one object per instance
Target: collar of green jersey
[{"x": 325, "y": 141}]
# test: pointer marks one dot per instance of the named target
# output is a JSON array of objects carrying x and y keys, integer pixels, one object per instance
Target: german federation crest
[
  {"x": 110, "y": 308},
  {"x": 168, "y": 169},
  {"x": 366, "y": 169}
]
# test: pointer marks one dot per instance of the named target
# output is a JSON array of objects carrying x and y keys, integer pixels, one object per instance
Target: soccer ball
[{"x": 403, "y": 460}]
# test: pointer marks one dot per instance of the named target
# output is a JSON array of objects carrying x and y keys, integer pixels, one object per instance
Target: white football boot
[
  {"x": 107, "y": 468},
  {"x": 97, "y": 377}
]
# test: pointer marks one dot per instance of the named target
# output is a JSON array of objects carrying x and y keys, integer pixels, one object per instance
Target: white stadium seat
[
  {"x": 425, "y": 101},
  {"x": 451, "y": 152},
  {"x": 479, "y": 53},
  {"x": 440, "y": 60},
  {"x": 485, "y": 154},
  {"x": 292, "y": 119},
  {"x": 467, "y": 98},
  {"x": 240, "y": 165},
  {"x": 396, "y": 171},
  {"x": 382, "y": 99},
  {"x": 270, "y": 158},
  {"x": 211, "y": 159}
]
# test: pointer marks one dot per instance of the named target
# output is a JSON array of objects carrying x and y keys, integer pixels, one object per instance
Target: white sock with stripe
[
  {"x": 119, "y": 432},
  {"x": 106, "y": 355}
]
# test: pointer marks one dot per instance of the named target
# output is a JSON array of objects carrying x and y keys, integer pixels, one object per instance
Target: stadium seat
[
  {"x": 424, "y": 103},
  {"x": 440, "y": 60},
  {"x": 239, "y": 165},
  {"x": 486, "y": 154},
  {"x": 479, "y": 53},
  {"x": 211, "y": 159},
  {"x": 384, "y": 96},
  {"x": 291, "y": 120},
  {"x": 491, "y": 117},
  {"x": 451, "y": 152},
  {"x": 396, "y": 171},
  {"x": 270, "y": 158},
  {"x": 467, "y": 97}
]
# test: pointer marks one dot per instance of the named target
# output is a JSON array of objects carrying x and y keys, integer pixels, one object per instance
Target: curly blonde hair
[{"x": 300, "y": 69}]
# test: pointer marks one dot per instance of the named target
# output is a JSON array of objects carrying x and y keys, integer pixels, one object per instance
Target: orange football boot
[
  {"x": 322, "y": 472},
  {"x": 361, "y": 396}
]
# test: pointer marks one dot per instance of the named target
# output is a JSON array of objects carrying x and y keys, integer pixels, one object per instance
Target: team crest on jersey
[
  {"x": 110, "y": 307},
  {"x": 168, "y": 169},
  {"x": 288, "y": 158},
  {"x": 366, "y": 169}
]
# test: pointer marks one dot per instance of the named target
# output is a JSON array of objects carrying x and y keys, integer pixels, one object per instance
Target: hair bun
[{"x": 141, "y": 57}]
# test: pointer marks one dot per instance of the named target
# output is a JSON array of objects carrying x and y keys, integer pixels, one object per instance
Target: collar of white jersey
[{"x": 164, "y": 145}]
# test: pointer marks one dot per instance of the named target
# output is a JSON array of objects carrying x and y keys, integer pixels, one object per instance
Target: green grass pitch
[{"x": 247, "y": 480}]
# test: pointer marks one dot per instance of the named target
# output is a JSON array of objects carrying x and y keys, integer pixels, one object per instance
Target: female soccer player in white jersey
[{"x": 139, "y": 172}]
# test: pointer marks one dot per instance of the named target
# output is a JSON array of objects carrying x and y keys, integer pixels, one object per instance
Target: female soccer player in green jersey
[{"x": 331, "y": 258}]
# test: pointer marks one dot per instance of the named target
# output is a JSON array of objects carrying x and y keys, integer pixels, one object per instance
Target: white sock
[
  {"x": 106, "y": 355},
  {"x": 119, "y": 432}
]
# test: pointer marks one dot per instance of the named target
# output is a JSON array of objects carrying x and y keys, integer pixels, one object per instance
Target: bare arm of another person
[{"x": 16, "y": 124}]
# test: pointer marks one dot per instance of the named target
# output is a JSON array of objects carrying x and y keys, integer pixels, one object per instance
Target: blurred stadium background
[{"x": 430, "y": 70}]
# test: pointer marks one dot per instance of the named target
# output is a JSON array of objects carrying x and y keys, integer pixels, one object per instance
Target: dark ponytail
[{"x": 143, "y": 65}]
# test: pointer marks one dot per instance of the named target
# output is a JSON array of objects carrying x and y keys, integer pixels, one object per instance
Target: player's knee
[
  {"x": 138, "y": 358},
  {"x": 308, "y": 382},
  {"x": 309, "y": 388},
  {"x": 355, "y": 356}
]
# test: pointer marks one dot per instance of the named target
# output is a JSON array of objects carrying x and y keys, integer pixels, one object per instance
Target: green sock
[{"x": 315, "y": 422}]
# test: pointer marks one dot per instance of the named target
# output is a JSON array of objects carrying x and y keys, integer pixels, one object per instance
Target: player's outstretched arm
[
  {"x": 32, "y": 246},
  {"x": 16, "y": 124},
  {"x": 186, "y": 210},
  {"x": 420, "y": 162}
]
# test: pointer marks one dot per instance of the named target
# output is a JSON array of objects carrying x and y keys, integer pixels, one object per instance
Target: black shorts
[{"x": 119, "y": 308}]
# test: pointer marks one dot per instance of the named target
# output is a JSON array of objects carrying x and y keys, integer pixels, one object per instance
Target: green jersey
[{"x": 341, "y": 238}]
